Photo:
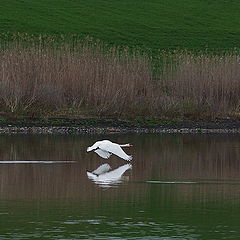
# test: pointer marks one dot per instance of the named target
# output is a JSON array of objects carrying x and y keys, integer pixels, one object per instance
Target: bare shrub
[
  {"x": 207, "y": 83},
  {"x": 113, "y": 83},
  {"x": 54, "y": 79}
]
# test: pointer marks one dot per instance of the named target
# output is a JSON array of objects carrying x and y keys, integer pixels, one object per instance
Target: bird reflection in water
[{"x": 105, "y": 178}]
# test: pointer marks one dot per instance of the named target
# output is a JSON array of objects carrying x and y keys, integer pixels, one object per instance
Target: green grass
[{"x": 154, "y": 24}]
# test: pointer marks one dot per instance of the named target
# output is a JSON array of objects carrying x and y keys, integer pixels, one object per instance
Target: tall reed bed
[
  {"x": 34, "y": 79},
  {"x": 201, "y": 85},
  {"x": 88, "y": 79}
]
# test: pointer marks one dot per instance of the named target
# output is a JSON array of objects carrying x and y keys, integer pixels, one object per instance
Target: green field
[{"x": 154, "y": 24}]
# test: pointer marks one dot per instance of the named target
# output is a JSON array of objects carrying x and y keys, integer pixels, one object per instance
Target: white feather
[
  {"x": 102, "y": 153},
  {"x": 117, "y": 150},
  {"x": 105, "y": 148}
]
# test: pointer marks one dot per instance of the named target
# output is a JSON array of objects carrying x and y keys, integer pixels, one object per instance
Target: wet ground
[{"x": 98, "y": 126}]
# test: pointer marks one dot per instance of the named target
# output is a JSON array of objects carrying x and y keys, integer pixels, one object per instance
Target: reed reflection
[{"x": 105, "y": 178}]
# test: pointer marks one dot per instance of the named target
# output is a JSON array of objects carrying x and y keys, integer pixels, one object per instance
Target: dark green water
[{"x": 179, "y": 187}]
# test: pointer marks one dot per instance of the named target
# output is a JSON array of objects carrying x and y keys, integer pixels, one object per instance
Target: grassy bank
[
  {"x": 155, "y": 24},
  {"x": 87, "y": 81}
]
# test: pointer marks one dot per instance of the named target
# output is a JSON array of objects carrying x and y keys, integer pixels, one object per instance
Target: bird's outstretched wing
[
  {"x": 102, "y": 153},
  {"x": 102, "y": 169},
  {"x": 117, "y": 150}
]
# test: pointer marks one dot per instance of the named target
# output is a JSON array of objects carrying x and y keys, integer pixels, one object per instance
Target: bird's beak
[{"x": 130, "y": 145}]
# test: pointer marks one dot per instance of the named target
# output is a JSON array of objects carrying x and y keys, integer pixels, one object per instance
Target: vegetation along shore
[
  {"x": 59, "y": 72},
  {"x": 84, "y": 80}
]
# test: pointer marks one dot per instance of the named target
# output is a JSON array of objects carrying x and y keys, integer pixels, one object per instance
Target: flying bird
[{"x": 106, "y": 148}]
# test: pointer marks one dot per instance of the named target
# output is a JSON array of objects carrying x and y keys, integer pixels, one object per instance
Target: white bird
[
  {"x": 103, "y": 177},
  {"x": 106, "y": 148}
]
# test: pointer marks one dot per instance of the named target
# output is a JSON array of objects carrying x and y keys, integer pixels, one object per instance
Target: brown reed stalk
[
  {"x": 87, "y": 79},
  {"x": 209, "y": 83}
]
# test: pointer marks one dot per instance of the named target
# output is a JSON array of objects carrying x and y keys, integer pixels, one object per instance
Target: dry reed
[{"x": 90, "y": 80}]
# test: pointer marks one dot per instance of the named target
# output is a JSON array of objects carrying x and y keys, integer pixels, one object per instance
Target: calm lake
[{"x": 177, "y": 187}]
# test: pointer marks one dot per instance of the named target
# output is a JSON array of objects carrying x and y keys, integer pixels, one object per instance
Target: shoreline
[{"x": 86, "y": 126}]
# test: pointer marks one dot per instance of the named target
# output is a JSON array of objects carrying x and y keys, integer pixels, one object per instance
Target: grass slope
[{"x": 163, "y": 24}]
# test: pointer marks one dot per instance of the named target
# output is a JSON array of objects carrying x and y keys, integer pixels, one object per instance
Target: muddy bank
[{"x": 88, "y": 126}]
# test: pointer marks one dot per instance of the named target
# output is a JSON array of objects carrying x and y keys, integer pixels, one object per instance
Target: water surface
[{"x": 177, "y": 187}]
